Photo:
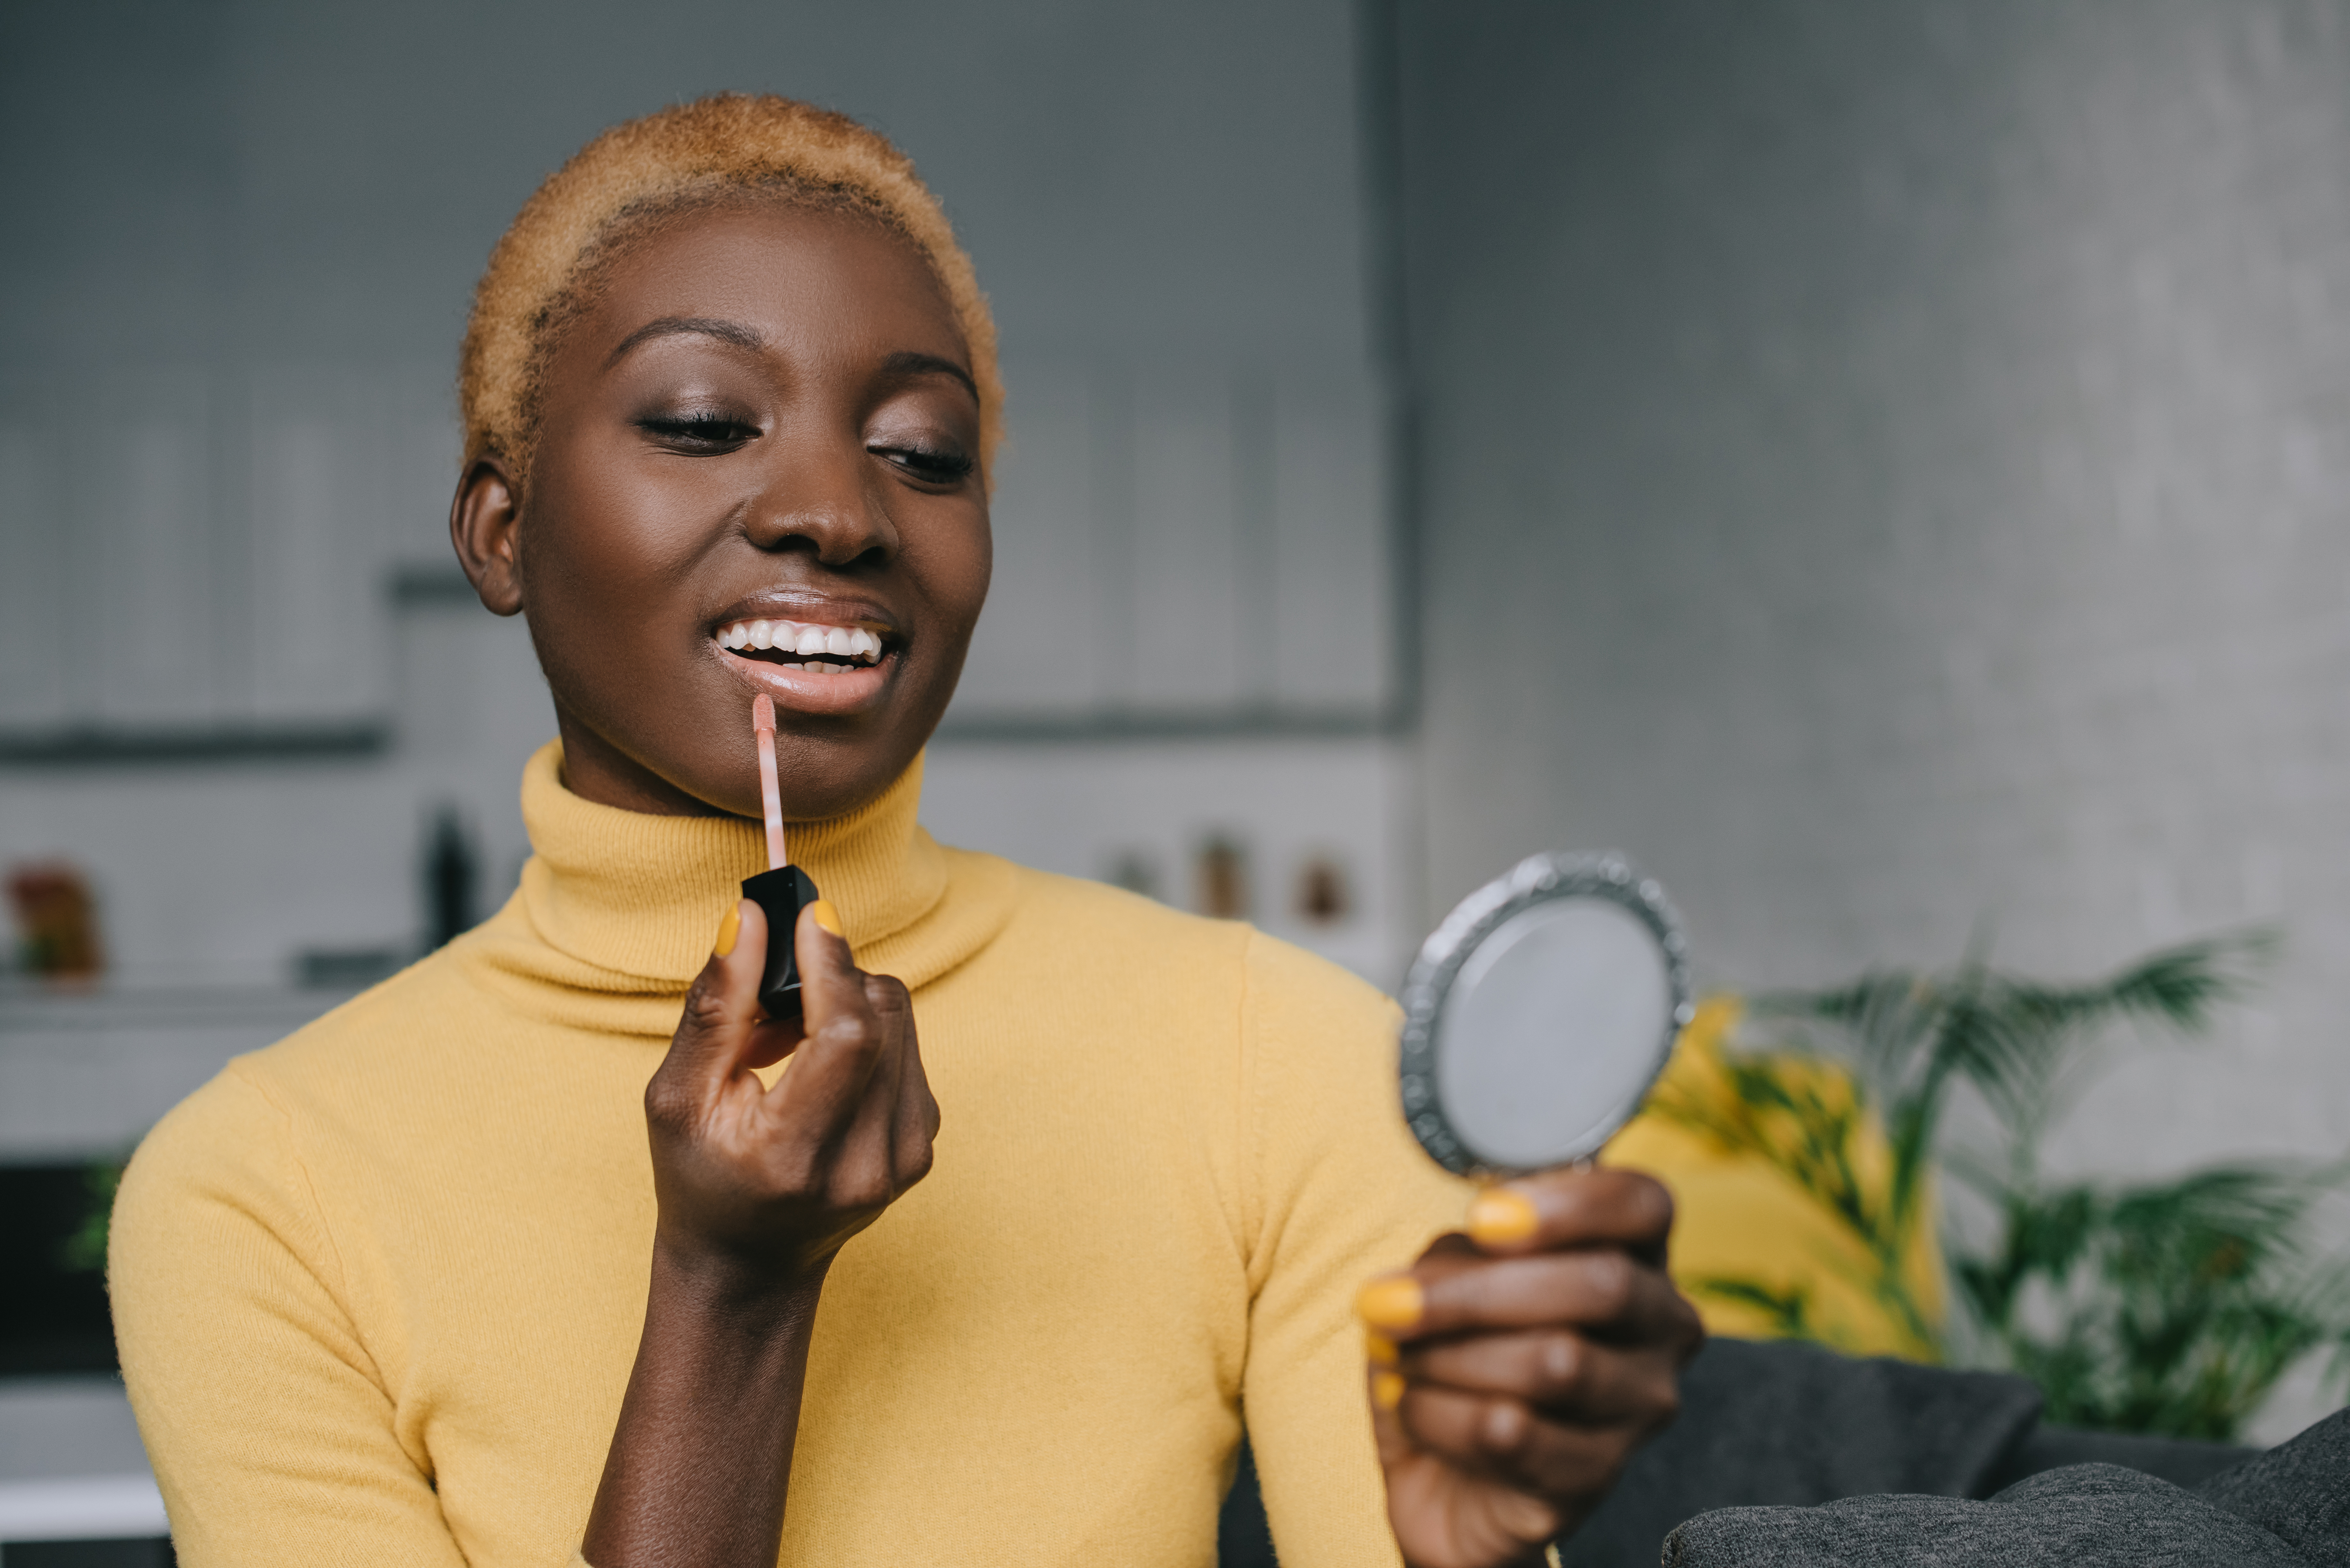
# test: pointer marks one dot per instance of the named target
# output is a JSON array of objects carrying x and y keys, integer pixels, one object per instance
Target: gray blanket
[
  {"x": 1789, "y": 1423},
  {"x": 2287, "y": 1509},
  {"x": 1788, "y": 1454},
  {"x": 1912, "y": 1431}
]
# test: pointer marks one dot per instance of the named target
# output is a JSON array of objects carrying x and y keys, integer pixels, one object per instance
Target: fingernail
[
  {"x": 1395, "y": 1302},
  {"x": 826, "y": 916},
  {"x": 1501, "y": 1217},
  {"x": 1527, "y": 1518},
  {"x": 1380, "y": 1348},
  {"x": 729, "y": 928},
  {"x": 1387, "y": 1389}
]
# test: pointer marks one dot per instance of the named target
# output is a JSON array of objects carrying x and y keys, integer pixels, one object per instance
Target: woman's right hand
[
  {"x": 764, "y": 1185},
  {"x": 758, "y": 1188}
]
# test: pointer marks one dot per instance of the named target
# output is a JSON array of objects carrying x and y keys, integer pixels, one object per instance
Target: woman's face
[{"x": 763, "y": 429}]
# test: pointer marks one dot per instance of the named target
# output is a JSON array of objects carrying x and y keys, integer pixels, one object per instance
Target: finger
[
  {"x": 1605, "y": 1291},
  {"x": 1503, "y": 1440},
  {"x": 717, "y": 1028},
  {"x": 1593, "y": 1206},
  {"x": 1386, "y": 1387},
  {"x": 820, "y": 1097},
  {"x": 866, "y": 1164},
  {"x": 862, "y": 1169},
  {"x": 1556, "y": 1371},
  {"x": 830, "y": 982},
  {"x": 915, "y": 1125}
]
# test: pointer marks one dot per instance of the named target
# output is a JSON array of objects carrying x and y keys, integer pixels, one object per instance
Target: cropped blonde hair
[{"x": 701, "y": 153}]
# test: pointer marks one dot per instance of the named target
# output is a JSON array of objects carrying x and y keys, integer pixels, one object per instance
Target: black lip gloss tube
[{"x": 782, "y": 893}]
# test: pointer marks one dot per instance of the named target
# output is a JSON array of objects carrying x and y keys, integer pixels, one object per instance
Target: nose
[{"x": 821, "y": 495}]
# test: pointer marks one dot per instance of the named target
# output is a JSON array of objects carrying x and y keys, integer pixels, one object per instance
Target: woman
[{"x": 416, "y": 1286}]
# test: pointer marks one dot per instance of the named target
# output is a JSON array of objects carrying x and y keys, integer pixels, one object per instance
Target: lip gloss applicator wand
[{"x": 783, "y": 889}]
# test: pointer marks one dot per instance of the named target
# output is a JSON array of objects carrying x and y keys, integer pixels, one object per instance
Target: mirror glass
[{"x": 1540, "y": 1012}]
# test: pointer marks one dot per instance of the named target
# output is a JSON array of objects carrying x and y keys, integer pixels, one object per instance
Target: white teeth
[{"x": 823, "y": 646}]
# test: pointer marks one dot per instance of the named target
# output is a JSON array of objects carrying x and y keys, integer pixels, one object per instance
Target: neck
[
  {"x": 594, "y": 769},
  {"x": 617, "y": 908},
  {"x": 641, "y": 892}
]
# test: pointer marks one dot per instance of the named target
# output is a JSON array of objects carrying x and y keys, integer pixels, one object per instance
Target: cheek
[
  {"x": 957, "y": 561},
  {"x": 609, "y": 534}
]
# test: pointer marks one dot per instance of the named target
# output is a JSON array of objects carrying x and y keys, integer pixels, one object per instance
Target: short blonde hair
[{"x": 695, "y": 154}]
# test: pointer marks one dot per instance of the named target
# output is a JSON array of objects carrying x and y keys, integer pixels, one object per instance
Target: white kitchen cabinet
[
  {"x": 1332, "y": 564},
  {"x": 318, "y": 639},
  {"x": 110, "y": 488},
  {"x": 186, "y": 552},
  {"x": 1039, "y": 646},
  {"x": 1185, "y": 548},
  {"x": 1189, "y": 548},
  {"x": 34, "y": 625},
  {"x": 1197, "y": 547}
]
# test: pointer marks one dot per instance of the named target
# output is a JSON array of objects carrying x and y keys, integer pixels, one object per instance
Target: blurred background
[{"x": 1883, "y": 462}]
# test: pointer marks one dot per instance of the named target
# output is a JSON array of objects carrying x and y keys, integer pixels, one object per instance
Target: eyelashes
[
  {"x": 698, "y": 432},
  {"x": 717, "y": 434},
  {"x": 932, "y": 465}
]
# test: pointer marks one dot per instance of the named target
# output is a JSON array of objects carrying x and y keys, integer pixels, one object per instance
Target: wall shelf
[{"x": 90, "y": 746}]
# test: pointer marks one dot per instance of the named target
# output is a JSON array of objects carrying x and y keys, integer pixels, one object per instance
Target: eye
[
  {"x": 698, "y": 433},
  {"x": 932, "y": 465}
]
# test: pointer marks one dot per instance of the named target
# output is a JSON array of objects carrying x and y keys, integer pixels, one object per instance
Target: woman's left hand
[{"x": 1514, "y": 1369}]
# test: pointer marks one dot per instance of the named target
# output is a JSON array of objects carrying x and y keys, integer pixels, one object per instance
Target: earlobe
[{"x": 483, "y": 522}]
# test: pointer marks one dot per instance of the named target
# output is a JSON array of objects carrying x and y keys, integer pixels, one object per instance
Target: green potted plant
[{"x": 2171, "y": 1306}]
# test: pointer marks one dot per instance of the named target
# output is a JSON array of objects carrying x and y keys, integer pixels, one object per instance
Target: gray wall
[
  {"x": 288, "y": 180},
  {"x": 1887, "y": 466},
  {"x": 247, "y": 231}
]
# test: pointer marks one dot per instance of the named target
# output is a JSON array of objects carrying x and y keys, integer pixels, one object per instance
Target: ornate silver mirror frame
[{"x": 1533, "y": 882}]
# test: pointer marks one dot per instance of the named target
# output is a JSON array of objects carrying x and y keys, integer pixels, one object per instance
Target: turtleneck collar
[{"x": 633, "y": 900}]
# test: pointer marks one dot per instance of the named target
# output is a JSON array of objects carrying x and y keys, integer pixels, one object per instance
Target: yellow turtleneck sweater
[{"x": 378, "y": 1287}]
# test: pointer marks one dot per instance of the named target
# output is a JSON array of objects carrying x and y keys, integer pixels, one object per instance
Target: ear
[{"x": 483, "y": 522}]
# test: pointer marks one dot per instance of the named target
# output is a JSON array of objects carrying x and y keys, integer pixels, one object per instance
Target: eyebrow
[
  {"x": 907, "y": 362},
  {"x": 725, "y": 331}
]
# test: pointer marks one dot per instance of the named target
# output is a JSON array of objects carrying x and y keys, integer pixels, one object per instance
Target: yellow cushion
[{"x": 1758, "y": 1242}]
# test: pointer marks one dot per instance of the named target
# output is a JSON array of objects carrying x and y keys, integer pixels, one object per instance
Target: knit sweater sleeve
[
  {"x": 265, "y": 1417},
  {"x": 1337, "y": 1193}
]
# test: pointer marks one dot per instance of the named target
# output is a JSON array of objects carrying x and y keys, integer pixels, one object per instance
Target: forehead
[{"x": 794, "y": 272}]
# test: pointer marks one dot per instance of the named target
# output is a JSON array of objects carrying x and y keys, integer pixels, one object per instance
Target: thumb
[{"x": 715, "y": 1035}]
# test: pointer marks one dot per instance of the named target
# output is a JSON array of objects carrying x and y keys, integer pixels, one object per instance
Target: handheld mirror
[{"x": 1539, "y": 1012}]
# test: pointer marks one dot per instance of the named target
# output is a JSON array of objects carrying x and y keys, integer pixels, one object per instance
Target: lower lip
[{"x": 807, "y": 692}]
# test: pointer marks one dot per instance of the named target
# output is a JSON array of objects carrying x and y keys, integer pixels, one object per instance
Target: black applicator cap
[{"x": 781, "y": 894}]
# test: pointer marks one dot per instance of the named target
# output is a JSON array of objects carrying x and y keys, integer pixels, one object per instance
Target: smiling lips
[{"x": 820, "y": 650}]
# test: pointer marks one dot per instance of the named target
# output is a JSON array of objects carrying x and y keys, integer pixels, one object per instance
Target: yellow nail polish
[
  {"x": 1395, "y": 1302},
  {"x": 1380, "y": 1348},
  {"x": 729, "y": 928},
  {"x": 1503, "y": 1217},
  {"x": 826, "y": 916},
  {"x": 1387, "y": 1389}
]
